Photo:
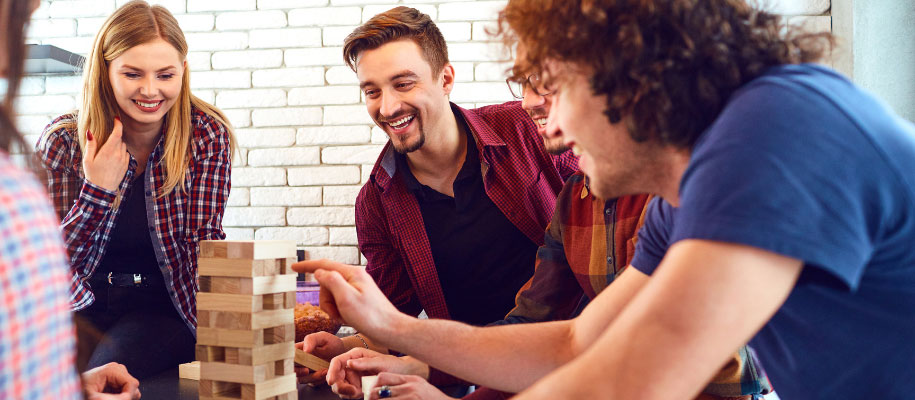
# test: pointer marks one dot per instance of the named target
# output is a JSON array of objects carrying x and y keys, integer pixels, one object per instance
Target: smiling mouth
[
  {"x": 148, "y": 106},
  {"x": 401, "y": 123}
]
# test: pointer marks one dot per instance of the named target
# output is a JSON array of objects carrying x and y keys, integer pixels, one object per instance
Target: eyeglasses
[{"x": 532, "y": 81}]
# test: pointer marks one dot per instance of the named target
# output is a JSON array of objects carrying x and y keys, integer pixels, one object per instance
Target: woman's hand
[
  {"x": 406, "y": 387},
  {"x": 320, "y": 344},
  {"x": 110, "y": 381},
  {"x": 106, "y": 167}
]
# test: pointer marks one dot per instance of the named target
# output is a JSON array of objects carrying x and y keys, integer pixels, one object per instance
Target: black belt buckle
[{"x": 138, "y": 280}]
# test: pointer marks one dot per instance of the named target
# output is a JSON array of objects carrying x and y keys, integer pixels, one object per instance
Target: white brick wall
[{"x": 276, "y": 69}]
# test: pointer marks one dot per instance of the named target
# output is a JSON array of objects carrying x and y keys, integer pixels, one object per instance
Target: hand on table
[
  {"x": 106, "y": 167},
  {"x": 110, "y": 382},
  {"x": 320, "y": 344},
  {"x": 407, "y": 387},
  {"x": 346, "y": 370},
  {"x": 349, "y": 292}
]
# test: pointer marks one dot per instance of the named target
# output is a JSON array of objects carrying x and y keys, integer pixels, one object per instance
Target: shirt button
[
  {"x": 607, "y": 211},
  {"x": 609, "y": 259}
]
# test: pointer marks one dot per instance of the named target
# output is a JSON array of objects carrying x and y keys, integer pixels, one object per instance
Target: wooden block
[
  {"x": 288, "y": 396},
  {"x": 247, "y": 249},
  {"x": 203, "y": 317},
  {"x": 286, "y": 265},
  {"x": 234, "y": 373},
  {"x": 284, "y": 367},
  {"x": 232, "y": 337},
  {"x": 266, "y": 353},
  {"x": 274, "y": 301},
  {"x": 238, "y": 267},
  {"x": 290, "y": 299},
  {"x": 251, "y": 286},
  {"x": 273, "y": 387},
  {"x": 191, "y": 370},
  {"x": 232, "y": 356},
  {"x": 248, "y": 321},
  {"x": 229, "y": 302},
  {"x": 210, "y": 353},
  {"x": 309, "y": 361},
  {"x": 215, "y": 389},
  {"x": 278, "y": 334}
]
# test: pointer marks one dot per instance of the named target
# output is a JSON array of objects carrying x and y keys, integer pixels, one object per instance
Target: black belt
[{"x": 116, "y": 279}]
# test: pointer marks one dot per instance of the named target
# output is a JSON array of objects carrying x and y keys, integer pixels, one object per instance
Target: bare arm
[{"x": 705, "y": 300}]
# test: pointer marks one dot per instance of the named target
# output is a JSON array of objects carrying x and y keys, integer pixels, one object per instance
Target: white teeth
[
  {"x": 576, "y": 150},
  {"x": 147, "y": 105},
  {"x": 399, "y": 122}
]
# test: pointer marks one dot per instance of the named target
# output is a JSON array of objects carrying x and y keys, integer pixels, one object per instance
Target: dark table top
[{"x": 167, "y": 386}]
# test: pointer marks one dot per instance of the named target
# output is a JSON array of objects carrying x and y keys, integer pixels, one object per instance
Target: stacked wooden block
[{"x": 245, "y": 331}]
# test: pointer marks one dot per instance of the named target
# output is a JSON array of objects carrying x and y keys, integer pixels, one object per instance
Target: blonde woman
[{"x": 138, "y": 175}]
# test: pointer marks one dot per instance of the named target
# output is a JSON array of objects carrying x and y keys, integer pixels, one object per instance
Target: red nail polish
[
  {"x": 116, "y": 118},
  {"x": 89, "y": 134}
]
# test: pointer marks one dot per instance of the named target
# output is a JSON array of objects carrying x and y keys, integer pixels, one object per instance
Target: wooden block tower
[{"x": 245, "y": 331}]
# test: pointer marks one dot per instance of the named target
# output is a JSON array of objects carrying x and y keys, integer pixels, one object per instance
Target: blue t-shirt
[{"x": 803, "y": 163}]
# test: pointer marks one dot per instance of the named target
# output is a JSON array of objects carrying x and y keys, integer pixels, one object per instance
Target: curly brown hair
[
  {"x": 667, "y": 67},
  {"x": 396, "y": 24}
]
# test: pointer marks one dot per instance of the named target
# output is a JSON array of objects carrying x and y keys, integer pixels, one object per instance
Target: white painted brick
[
  {"x": 795, "y": 7},
  {"x": 346, "y": 115},
  {"x": 286, "y": 116},
  {"x": 79, "y": 45},
  {"x": 242, "y": 177},
  {"x": 239, "y": 197},
  {"x": 30, "y": 85},
  {"x": 370, "y": 11},
  {"x": 283, "y": 157},
  {"x": 48, "y": 28},
  {"x": 481, "y": 92},
  {"x": 365, "y": 154},
  {"x": 220, "y": 80},
  {"x": 317, "y": 216},
  {"x": 196, "y": 22},
  {"x": 341, "y": 76},
  {"x": 314, "y": 56},
  {"x": 173, "y": 6},
  {"x": 254, "y": 216},
  {"x": 491, "y": 71},
  {"x": 343, "y": 236},
  {"x": 239, "y": 158},
  {"x": 221, "y": 5},
  {"x": 64, "y": 84},
  {"x": 359, "y": 2},
  {"x": 311, "y": 176},
  {"x": 46, "y": 104},
  {"x": 208, "y": 96},
  {"x": 239, "y": 233},
  {"x": 81, "y": 8},
  {"x": 33, "y": 124},
  {"x": 378, "y": 135},
  {"x": 346, "y": 255},
  {"x": 286, "y": 196},
  {"x": 333, "y": 135},
  {"x": 322, "y": 95},
  {"x": 335, "y": 35},
  {"x": 326, "y": 16},
  {"x": 236, "y": 21},
  {"x": 247, "y": 59},
  {"x": 455, "y": 31},
  {"x": 284, "y": 38},
  {"x": 482, "y": 29},
  {"x": 476, "y": 52},
  {"x": 288, "y": 77},
  {"x": 252, "y": 98},
  {"x": 366, "y": 173},
  {"x": 42, "y": 11},
  {"x": 288, "y": 4},
  {"x": 198, "y": 61},
  {"x": 341, "y": 195},
  {"x": 820, "y": 23},
  {"x": 302, "y": 236},
  {"x": 238, "y": 118},
  {"x": 463, "y": 71},
  {"x": 89, "y": 26},
  {"x": 270, "y": 137},
  {"x": 479, "y": 11},
  {"x": 213, "y": 41}
]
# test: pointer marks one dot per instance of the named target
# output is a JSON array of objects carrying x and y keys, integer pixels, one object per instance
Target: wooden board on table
[
  {"x": 247, "y": 249},
  {"x": 251, "y": 286},
  {"x": 310, "y": 361},
  {"x": 189, "y": 370},
  {"x": 244, "y": 268},
  {"x": 244, "y": 321}
]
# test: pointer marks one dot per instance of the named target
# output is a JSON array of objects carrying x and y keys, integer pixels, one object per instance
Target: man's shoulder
[{"x": 507, "y": 121}]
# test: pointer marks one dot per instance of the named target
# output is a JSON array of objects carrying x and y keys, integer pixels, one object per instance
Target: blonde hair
[{"x": 133, "y": 24}]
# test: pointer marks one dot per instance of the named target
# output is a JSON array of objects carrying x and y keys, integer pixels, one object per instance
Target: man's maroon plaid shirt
[
  {"x": 518, "y": 175},
  {"x": 176, "y": 221}
]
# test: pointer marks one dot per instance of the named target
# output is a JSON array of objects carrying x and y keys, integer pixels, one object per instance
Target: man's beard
[{"x": 402, "y": 148}]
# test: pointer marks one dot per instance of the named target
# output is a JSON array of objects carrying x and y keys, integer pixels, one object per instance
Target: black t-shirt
[
  {"x": 130, "y": 249},
  {"x": 481, "y": 258}
]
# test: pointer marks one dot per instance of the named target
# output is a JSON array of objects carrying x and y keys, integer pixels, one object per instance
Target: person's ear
[{"x": 447, "y": 78}]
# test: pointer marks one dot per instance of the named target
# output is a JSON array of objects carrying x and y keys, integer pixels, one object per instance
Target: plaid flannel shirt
[
  {"x": 579, "y": 261},
  {"x": 176, "y": 222},
  {"x": 518, "y": 175},
  {"x": 37, "y": 340}
]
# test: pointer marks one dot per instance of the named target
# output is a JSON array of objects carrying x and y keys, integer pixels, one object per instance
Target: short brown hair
[
  {"x": 667, "y": 67},
  {"x": 396, "y": 24}
]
